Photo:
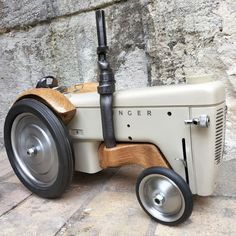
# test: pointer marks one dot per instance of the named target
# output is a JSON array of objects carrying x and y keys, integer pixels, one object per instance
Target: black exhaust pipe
[{"x": 106, "y": 86}]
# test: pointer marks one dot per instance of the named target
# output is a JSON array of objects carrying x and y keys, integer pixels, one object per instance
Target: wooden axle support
[{"x": 146, "y": 155}]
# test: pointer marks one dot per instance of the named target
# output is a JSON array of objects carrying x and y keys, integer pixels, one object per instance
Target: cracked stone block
[
  {"x": 15, "y": 14},
  {"x": 151, "y": 43}
]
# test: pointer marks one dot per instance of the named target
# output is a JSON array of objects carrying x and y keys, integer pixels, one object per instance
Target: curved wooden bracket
[
  {"x": 53, "y": 99},
  {"x": 146, "y": 155}
]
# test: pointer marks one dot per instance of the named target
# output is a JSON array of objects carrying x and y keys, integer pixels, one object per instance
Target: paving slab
[
  {"x": 115, "y": 211},
  {"x": 110, "y": 213},
  {"x": 12, "y": 193},
  {"x": 125, "y": 179},
  {"x": 37, "y": 216},
  {"x": 226, "y": 179},
  {"x": 105, "y": 204},
  {"x": 211, "y": 216}
]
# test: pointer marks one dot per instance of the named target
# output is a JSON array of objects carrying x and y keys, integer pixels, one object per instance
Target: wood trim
[
  {"x": 146, "y": 155},
  {"x": 53, "y": 99}
]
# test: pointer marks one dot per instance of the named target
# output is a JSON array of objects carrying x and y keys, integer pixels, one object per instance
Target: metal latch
[{"x": 202, "y": 121}]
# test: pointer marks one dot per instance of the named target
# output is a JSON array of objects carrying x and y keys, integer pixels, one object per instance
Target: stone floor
[{"x": 105, "y": 204}]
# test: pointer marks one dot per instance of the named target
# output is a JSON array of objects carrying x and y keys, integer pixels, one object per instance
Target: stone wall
[{"x": 153, "y": 42}]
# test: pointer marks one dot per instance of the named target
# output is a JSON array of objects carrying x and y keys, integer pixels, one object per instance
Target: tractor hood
[{"x": 204, "y": 94}]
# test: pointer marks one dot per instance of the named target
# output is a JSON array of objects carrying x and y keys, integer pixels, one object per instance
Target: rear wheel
[
  {"x": 38, "y": 148},
  {"x": 164, "y": 195}
]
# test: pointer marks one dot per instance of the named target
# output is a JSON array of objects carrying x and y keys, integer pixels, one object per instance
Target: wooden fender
[
  {"x": 54, "y": 100},
  {"x": 146, "y": 155}
]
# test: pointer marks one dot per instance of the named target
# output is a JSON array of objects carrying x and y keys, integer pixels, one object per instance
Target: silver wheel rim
[
  {"x": 35, "y": 150},
  {"x": 161, "y": 197}
]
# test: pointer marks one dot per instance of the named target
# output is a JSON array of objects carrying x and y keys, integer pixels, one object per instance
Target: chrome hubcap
[
  {"x": 32, "y": 152},
  {"x": 35, "y": 150},
  {"x": 161, "y": 197}
]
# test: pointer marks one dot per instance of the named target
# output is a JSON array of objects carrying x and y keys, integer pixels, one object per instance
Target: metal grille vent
[{"x": 219, "y": 135}]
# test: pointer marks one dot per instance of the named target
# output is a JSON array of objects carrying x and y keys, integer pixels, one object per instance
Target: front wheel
[
  {"x": 164, "y": 195},
  {"x": 38, "y": 148}
]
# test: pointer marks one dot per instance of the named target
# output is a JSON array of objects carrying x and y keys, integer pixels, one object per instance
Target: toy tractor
[{"x": 175, "y": 132}]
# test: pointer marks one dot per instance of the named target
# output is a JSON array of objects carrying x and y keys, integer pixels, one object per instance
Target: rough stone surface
[
  {"x": 152, "y": 43},
  {"x": 23, "y": 14}
]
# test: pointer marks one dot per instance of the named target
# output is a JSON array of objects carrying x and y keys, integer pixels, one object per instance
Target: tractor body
[{"x": 158, "y": 115}]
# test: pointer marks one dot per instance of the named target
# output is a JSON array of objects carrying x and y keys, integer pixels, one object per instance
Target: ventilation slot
[{"x": 219, "y": 135}]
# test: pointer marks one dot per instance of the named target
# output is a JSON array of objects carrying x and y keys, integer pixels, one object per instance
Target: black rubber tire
[
  {"x": 61, "y": 138},
  {"x": 182, "y": 185}
]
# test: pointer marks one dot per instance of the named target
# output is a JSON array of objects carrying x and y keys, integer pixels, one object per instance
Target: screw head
[
  {"x": 159, "y": 199},
  {"x": 32, "y": 151}
]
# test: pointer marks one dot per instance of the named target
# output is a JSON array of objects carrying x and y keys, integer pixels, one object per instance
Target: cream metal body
[{"x": 158, "y": 115}]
